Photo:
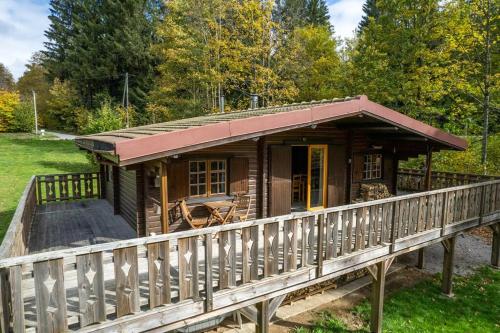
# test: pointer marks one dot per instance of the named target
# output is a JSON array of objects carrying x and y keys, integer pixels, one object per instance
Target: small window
[
  {"x": 197, "y": 178},
  {"x": 372, "y": 168},
  {"x": 217, "y": 177},
  {"x": 207, "y": 177}
]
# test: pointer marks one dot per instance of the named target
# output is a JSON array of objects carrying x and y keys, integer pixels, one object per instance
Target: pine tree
[
  {"x": 6, "y": 79},
  {"x": 293, "y": 14},
  {"x": 93, "y": 44},
  {"x": 317, "y": 13},
  {"x": 370, "y": 11}
]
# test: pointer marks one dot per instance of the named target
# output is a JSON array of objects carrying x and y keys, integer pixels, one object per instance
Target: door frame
[{"x": 325, "y": 175}]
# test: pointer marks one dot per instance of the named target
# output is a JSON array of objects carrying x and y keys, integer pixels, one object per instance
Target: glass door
[{"x": 316, "y": 176}]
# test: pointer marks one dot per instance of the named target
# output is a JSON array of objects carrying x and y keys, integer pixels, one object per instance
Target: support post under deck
[
  {"x": 378, "y": 286},
  {"x": 495, "y": 246},
  {"x": 421, "y": 258},
  {"x": 262, "y": 325},
  {"x": 449, "y": 253}
]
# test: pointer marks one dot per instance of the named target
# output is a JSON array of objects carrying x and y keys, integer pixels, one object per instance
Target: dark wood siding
[
  {"x": 128, "y": 196},
  {"x": 337, "y": 175},
  {"x": 108, "y": 184},
  {"x": 280, "y": 202}
]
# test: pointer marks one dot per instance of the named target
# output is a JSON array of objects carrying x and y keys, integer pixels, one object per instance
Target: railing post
[
  {"x": 321, "y": 237},
  {"x": 208, "y": 273},
  {"x": 444, "y": 215},
  {"x": 4, "y": 301}
]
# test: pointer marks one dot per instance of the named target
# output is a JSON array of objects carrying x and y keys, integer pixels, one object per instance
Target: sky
[{"x": 23, "y": 22}]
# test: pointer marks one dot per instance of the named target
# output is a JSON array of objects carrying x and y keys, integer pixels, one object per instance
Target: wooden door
[
  {"x": 280, "y": 174},
  {"x": 337, "y": 175}
]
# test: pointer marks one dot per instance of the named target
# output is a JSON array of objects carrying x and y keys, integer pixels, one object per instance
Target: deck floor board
[{"x": 63, "y": 225}]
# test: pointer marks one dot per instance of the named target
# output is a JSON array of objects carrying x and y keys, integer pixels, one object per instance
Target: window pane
[
  {"x": 202, "y": 178},
  {"x": 221, "y": 165},
  {"x": 222, "y": 188},
  {"x": 193, "y": 190},
  {"x": 213, "y": 165},
  {"x": 213, "y": 178},
  {"x": 193, "y": 179},
  {"x": 201, "y": 166},
  {"x": 202, "y": 190},
  {"x": 222, "y": 177},
  {"x": 214, "y": 189}
]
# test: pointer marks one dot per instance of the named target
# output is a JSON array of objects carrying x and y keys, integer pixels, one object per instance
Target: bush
[
  {"x": 106, "y": 118},
  {"x": 24, "y": 118},
  {"x": 8, "y": 102},
  {"x": 468, "y": 161}
]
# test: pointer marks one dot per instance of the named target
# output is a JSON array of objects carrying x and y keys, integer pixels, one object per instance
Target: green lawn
[
  {"x": 474, "y": 308},
  {"x": 23, "y": 155}
]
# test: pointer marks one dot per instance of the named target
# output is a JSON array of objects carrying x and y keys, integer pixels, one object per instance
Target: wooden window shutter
[
  {"x": 178, "y": 180},
  {"x": 357, "y": 167},
  {"x": 238, "y": 175}
]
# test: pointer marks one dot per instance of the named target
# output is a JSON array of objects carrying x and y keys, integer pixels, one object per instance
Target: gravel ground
[{"x": 471, "y": 252}]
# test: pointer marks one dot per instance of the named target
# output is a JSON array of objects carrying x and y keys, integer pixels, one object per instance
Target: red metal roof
[{"x": 132, "y": 145}]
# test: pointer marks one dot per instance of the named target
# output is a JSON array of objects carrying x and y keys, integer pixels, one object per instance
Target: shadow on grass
[
  {"x": 65, "y": 166},
  {"x": 5, "y": 218}
]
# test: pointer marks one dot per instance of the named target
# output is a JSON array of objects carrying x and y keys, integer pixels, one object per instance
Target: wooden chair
[
  {"x": 195, "y": 223},
  {"x": 243, "y": 203}
]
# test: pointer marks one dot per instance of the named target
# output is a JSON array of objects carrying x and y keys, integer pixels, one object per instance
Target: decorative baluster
[
  {"x": 76, "y": 186},
  {"x": 90, "y": 279},
  {"x": 227, "y": 259},
  {"x": 271, "y": 241},
  {"x": 290, "y": 245},
  {"x": 126, "y": 280},
  {"x": 188, "y": 268},
  {"x": 50, "y": 296},
  {"x": 332, "y": 234},
  {"x": 50, "y": 189},
  {"x": 250, "y": 248},
  {"x": 159, "y": 273},
  {"x": 373, "y": 225},
  {"x": 307, "y": 253},
  {"x": 63, "y": 187},
  {"x": 89, "y": 185}
]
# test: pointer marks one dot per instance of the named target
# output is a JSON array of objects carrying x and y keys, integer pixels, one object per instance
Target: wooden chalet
[
  {"x": 290, "y": 158},
  {"x": 191, "y": 221}
]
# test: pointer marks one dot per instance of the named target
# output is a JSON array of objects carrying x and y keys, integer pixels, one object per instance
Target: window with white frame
[
  {"x": 218, "y": 177},
  {"x": 197, "y": 178},
  {"x": 207, "y": 177},
  {"x": 372, "y": 168}
]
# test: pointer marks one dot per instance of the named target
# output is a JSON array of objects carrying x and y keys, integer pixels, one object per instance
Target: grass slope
[
  {"x": 474, "y": 308},
  {"x": 23, "y": 155}
]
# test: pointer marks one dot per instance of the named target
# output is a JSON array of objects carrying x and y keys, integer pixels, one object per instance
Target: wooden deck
[
  {"x": 62, "y": 225},
  {"x": 165, "y": 282}
]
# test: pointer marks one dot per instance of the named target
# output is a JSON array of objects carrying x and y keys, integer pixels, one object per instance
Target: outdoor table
[{"x": 215, "y": 207}]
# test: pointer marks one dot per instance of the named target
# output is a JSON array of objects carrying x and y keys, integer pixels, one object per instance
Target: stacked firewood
[{"x": 374, "y": 191}]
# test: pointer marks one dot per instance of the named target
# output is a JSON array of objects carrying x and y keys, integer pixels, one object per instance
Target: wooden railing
[
  {"x": 414, "y": 180},
  {"x": 175, "y": 279},
  {"x": 16, "y": 239},
  {"x": 70, "y": 186}
]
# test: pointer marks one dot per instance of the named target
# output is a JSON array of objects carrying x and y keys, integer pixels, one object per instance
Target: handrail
[
  {"x": 223, "y": 228},
  {"x": 414, "y": 179},
  {"x": 16, "y": 239},
  {"x": 255, "y": 258},
  {"x": 68, "y": 186}
]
